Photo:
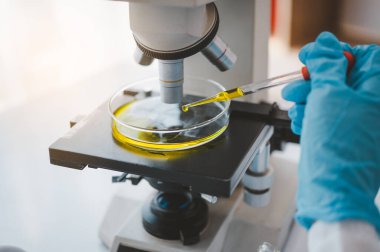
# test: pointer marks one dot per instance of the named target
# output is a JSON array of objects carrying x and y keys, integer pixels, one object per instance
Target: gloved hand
[{"x": 338, "y": 118}]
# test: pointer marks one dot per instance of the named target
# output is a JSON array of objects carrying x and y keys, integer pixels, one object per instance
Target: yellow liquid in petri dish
[
  {"x": 155, "y": 141},
  {"x": 219, "y": 97}
]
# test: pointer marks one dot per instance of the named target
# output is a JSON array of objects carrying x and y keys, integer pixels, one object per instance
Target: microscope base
[{"x": 233, "y": 225}]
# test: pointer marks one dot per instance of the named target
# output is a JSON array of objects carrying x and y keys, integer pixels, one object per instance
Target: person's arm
[
  {"x": 338, "y": 118},
  {"x": 343, "y": 236}
]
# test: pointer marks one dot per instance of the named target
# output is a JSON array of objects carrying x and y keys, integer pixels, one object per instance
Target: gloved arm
[{"x": 339, "y": 122}]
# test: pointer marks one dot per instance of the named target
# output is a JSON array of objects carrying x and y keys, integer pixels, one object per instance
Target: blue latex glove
[
  {"x": 297, "y": 92},
  {"x": 339, "y": 122}
]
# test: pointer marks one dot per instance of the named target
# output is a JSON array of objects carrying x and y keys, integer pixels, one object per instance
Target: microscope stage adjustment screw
[{"x": 135, "y": 179}]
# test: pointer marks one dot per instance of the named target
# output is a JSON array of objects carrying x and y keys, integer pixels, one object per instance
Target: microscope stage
[{"x": 215, "y": 168}]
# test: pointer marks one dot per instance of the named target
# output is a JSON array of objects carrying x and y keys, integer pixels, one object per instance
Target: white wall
[
  {"x": 360, "y": 18},
  {"x": 47, "y": 44}
]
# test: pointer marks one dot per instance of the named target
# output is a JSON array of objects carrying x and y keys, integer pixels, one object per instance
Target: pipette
[{"x": 256, "y": 87}]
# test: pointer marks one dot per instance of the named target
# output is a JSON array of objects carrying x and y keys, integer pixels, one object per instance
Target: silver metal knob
[
  {"x": 267, "y": 247},
  {"x": 209, "y": 198},
  {"x": 259, "y": 179}
]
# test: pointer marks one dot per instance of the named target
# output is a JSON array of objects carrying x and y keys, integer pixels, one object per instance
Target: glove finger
[
  {"x": 296, "y": 129},
  {"x": 346, "y": 47},
  {"x": 296, "y": 114},
  {"x": 366, "y": 73},
  {"x": 297, "y": 91},
  {"x": 326, "y": 62},
  {"x": 304, "y": 51},
  {"x": 308, "y": 47}
]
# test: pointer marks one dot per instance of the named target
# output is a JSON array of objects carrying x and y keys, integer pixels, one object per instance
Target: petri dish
[{"x": 140, "y": 119}]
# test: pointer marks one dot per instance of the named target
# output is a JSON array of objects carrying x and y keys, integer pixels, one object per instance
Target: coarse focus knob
[
  {"x": 258, "y": 182},
  {"x": 257, "y": 191}
]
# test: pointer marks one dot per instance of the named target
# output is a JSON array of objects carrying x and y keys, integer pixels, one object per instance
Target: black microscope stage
[{"x": 214, "y": 168}]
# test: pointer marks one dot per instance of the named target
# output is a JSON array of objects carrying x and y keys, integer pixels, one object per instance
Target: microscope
[{"x": 207, "y": 199}]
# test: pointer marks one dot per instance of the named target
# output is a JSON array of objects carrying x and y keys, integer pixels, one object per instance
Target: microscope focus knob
[
  {"x": 257, "y": 191},
  {"x": 258, "y": 179}
]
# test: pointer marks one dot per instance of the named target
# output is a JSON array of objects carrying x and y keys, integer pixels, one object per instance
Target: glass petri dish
[{"x": 140, "y": 119}]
